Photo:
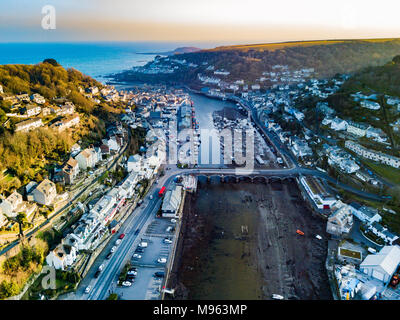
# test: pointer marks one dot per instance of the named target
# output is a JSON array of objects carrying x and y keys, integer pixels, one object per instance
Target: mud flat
[{"x": 239, "y": 241}]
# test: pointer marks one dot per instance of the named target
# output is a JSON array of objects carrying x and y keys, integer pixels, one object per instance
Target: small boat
[
  {"x": 318, "y": 237},
  {"x": 277, "y": 297},
  {"x": 300, "y": 232}
]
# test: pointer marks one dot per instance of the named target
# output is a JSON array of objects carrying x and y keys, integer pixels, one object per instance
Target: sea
[{"x": 95, "y": 59}]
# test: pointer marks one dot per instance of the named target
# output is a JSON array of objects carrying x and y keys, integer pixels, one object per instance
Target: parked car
[
  {"x": 108, "y": 256},
  {"x": 162, "y": 260},
  {"x": 170, "y": 229},
  {"x": 118, "y": 242},
  {"x": 167, "y": 240},
  {"x": 126, "y": 283},
  {"x": 173, "y": 220},
  {"x": 143, "y": 244},
  {"x": 101, "y": 267},
  {"x": 137, "y": 232},
  {"x": 132, "y": 272},
  {"x": 137, "y": 256},
  {"x": 113, "y": 249},
  {"x": 130, "y": 278},
  {"x": 159, "y": 274},
  {"x": 96, "y": 275},
  {"x": 121, "y": 236},
  {"x": 139, "y": 250},
  {"x": 87, "y": 290}
]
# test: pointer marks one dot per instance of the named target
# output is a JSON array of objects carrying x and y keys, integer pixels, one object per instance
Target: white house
[
  {"x": 372, "y": 105},
  {"x": 382, "y": 265},
  {"x": 14, "y": 204},
  {"x": 366, "y": 214},
  {"x": 382, "y": 233},
  {"x": 338, "y": 124},
  {"x": 45, "y": 192},
  {"x": 341, "y": 219},
  {"x": 358, "y": 129},
  {"x": 62, "y": 256},
  {"x": 87, "y": 158},
  {"x": 372, "y": 154},
  {"x": 134, "y": 163}
]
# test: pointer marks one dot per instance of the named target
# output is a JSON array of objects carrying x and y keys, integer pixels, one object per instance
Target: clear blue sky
[{"x": 218, "y": 21}]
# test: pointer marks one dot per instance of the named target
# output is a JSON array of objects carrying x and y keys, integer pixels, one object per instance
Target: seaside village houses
[{"x": 93, "y": 226}]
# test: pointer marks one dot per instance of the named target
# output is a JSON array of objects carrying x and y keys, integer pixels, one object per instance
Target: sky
[{"x": 199, "y": 21}]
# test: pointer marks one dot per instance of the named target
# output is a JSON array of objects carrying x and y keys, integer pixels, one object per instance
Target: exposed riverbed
[{"x": 240, "y": 242}]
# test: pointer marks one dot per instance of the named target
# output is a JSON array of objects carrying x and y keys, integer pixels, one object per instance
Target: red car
[{"x": 122, "y": 236}]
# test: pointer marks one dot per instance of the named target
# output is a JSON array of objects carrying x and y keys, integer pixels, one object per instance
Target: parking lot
[{"x": 145, "y": 285}]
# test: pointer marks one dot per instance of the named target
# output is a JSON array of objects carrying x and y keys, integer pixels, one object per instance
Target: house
[
  {"x": 70, "y": 170},
  {"x": 372, "y": 105},
  {"x": 382, "y": 265},
  {"x": 28, "y": 125},
  {"x": 365, "y": 214},
  {"x": 37, "y": 98},
  {"x": 349, "y": 166},
  {"x": 300, "y": 148},
  {"x": 341, "y": 219},
  {"x": 65, "y": 123},
  {"x": 382, "y": 232},
  {"x": 358, "y": 129},
  {"x": 32, "y": 110},
  {"x": 14, "y": 204},
  {"x": 75, "y": 149},
  {"x": 3, "y": 218},
  {"x": 372, "y": 154},
  {"x": 171, "y": 202},
  {"x": 87, "y": 158},
  {"x": 134, "y": 163},
  {"x": 62, "y": 256},
  {"x": 112, "y": 143},
  {"x": 45, "y": 192},
  {"x": 317, "y": 192},
  {"x": 376, "y": 134},
  {"x": 338, "y": 124}
]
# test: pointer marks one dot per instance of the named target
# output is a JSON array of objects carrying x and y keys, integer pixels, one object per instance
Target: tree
[
  {"x": 21, "y": 219},
  {"x": 51, "y": 61},
  {"x": 396, "y": 59}
]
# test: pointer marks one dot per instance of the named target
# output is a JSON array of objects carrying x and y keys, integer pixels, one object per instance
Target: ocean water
[{"x": 95, "y": 59}]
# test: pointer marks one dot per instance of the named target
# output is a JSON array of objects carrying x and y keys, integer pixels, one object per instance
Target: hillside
[
  {"x": 248, "y": 62},
  {"x": 31, "y": 155}
]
